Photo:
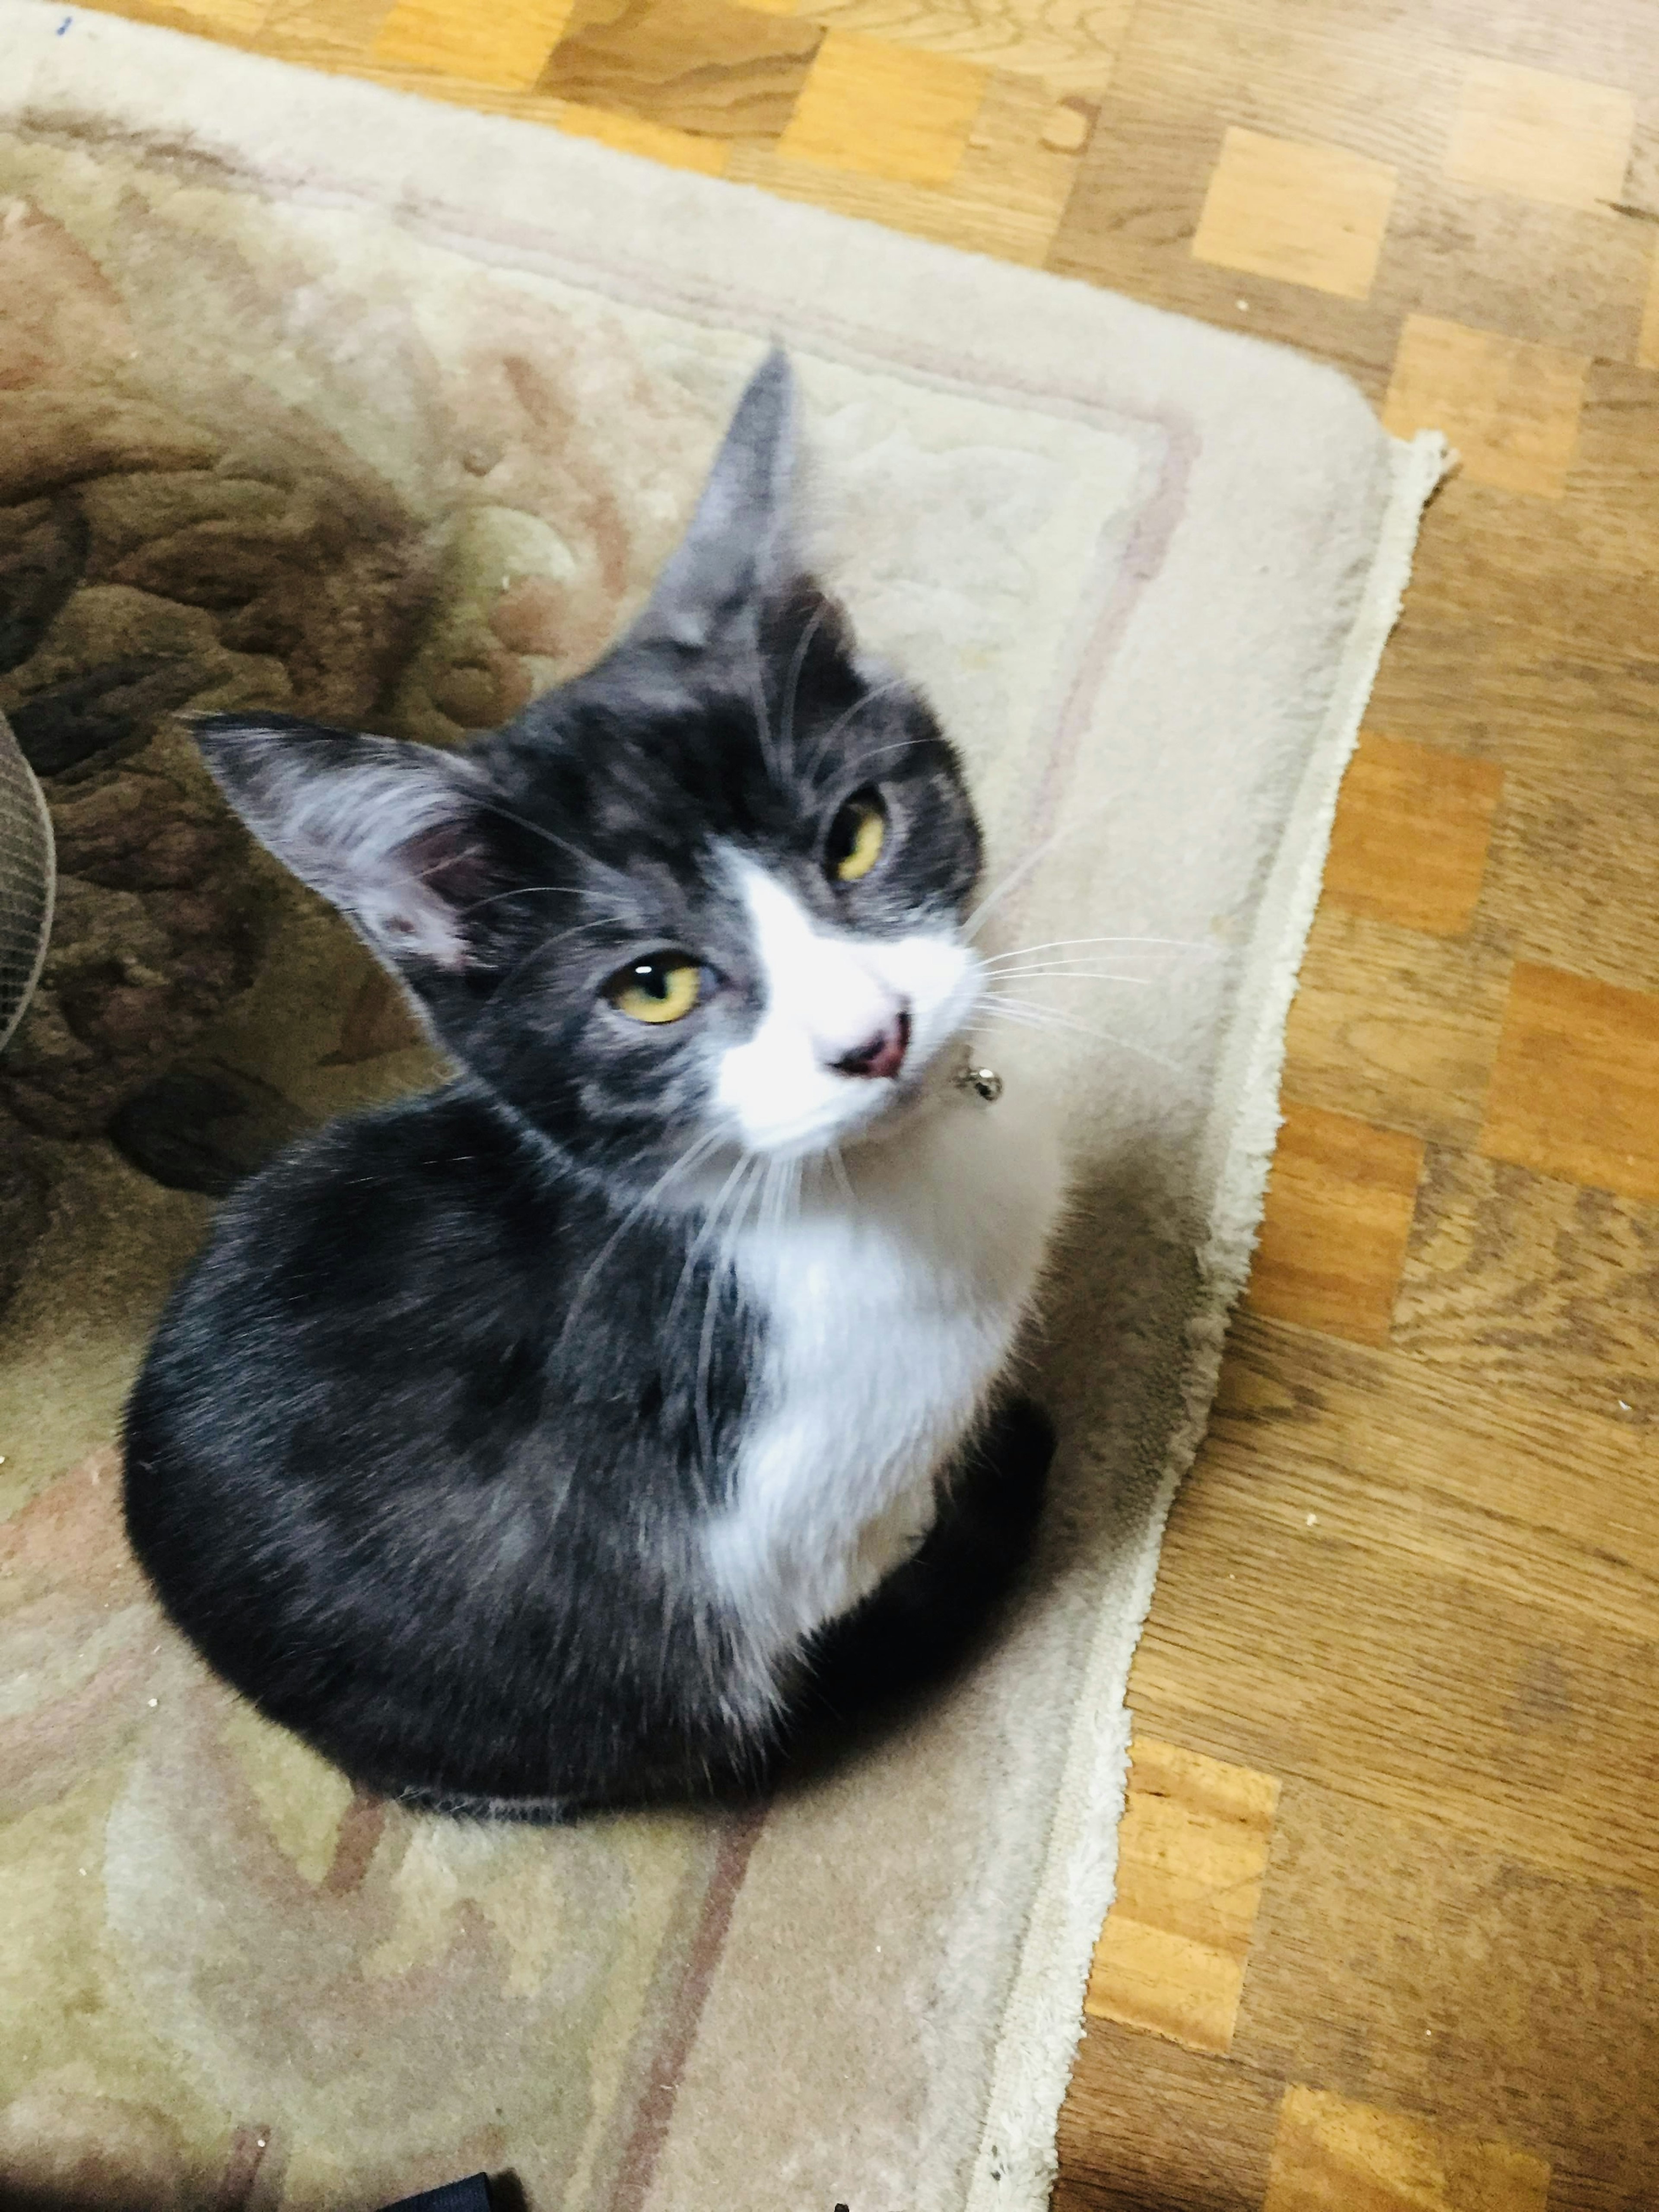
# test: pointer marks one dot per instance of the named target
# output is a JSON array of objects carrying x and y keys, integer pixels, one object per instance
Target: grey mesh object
[{"x": 26, "y": 882}]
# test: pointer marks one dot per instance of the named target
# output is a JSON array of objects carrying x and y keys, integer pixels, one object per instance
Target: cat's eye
[
  {"x": 856, "y": 837},
  {"x": 662, "y": 987}
]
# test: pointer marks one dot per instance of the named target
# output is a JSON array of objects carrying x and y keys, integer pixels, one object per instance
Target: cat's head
[{"x": 712, "y": 889}]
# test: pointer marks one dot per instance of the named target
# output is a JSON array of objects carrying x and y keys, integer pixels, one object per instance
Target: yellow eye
[
  {"x": 856, "y": 837},
  {"x": 663, "y": 987}
]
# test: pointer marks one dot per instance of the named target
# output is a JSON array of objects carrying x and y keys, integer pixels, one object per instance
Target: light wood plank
[
  {"x": 1339, "y": 1212},
  {"x": 325, "y": 34},
  {"x": 658, "y": 142},
  {"x": 1409, "y": 842},
  {"x": 1005, "y": 198},
  {"x": 505, "y": 45},
  {"x": 1647, "y": 345},
  {"x": 1511, "y": 408},
  {"x": 1574, "y": 1088},
  {"x": 1542, "y": 135},
  {"x": 1192, "y": 1852},
  {"x": 1065, "y": 46},
  {"x": 236, "y": 22},
  {"x": 530, "y": 106},
  {"x": 882, "y": 111},
  {"x": 1310, "y": 215},
  {"x": 1329, "y": 2150}
]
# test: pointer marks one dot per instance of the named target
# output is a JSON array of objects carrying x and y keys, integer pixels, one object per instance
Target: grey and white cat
[{"x": 573, "y": 1434}]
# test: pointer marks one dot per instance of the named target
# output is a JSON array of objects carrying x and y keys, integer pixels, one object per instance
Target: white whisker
[
  {"x": 839, "y": 1167},
  {"x": 757, "y": 698},
  {"x": 707, "y": 1230},
  {"x": 1074, "y": 974},
  {"x": 509, "y": 814},
  {"x": 880, "y": 752},
  {"x": 865, "y": 699},
  {"x": 1046, "y": 1018},
  {"x": 786, "y": 744},
  {"x": 1061, "y": 944},
  {"x": 1021, "y": 869},
  {"x": 783, "y": 1189},
  {"x": 684, "y": 1162}
]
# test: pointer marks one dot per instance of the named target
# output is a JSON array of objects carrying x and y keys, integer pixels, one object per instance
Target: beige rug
[{"x": 312, "y": 396}]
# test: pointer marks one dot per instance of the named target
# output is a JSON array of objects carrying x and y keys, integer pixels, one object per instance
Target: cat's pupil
[{"x": 651, "y": 976}]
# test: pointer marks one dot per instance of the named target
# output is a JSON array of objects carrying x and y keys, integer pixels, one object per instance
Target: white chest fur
[{"x": 889, "y": 1313}]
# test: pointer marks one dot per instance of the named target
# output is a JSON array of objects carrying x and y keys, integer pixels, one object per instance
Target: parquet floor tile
[
  {"x": 1533, "y": 1287},
  {"x": 885, "y": 111},
  {"x": 1542, "y": 136},
  {"x": 1575, "y": 1088},
  {"x": 1193, "y": 1851},
  {"x": 1409, "y": 842},
  {"x": 1495, "y": 1991},
  {"x": 1005, "y": 196},
  {"x": 1329, "y": 2150},
  {"x": 1396, "y": 1028},
  {"x": 1067, "y": 45},
  {"x": 1510, "y": 407},
  {"x": 1339, "y": 1214},
  {"x": 505, "y": 45},
  {"x": 1310, "y": 215},
  {"x": 706, "y": 66}
]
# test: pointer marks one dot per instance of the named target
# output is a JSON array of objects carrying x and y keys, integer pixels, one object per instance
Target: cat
[{"x": 573, "y": 1435}]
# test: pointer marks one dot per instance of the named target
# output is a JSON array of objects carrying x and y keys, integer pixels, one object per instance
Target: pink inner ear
[
  {"x": 451, "y": 860},
  {"x": 417, "y": 903}
]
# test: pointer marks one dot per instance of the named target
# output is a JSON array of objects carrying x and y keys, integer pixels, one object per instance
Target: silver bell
[{"x": 984, "y": 1082}]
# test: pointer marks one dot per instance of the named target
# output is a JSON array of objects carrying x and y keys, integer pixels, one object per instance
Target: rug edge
[{"x": 1043, "y": 2021}]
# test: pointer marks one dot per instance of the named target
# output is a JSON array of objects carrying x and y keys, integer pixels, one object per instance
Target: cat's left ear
[
  {"x": 739, "y": 550},
  {"x": 398, "y": 837}
]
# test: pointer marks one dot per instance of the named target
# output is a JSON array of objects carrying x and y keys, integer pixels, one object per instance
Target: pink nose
[{"x": 881, "y": 1055}]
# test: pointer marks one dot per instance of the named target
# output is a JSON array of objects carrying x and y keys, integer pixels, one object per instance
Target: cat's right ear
[
  {"x": 396, "y": 835},
  {"x": 738, "y": 549}
]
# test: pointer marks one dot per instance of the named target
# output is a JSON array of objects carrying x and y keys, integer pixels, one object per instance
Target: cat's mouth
[
  {"x": 864, "y": 1110},
  {"x": 926, "y": 1076}
]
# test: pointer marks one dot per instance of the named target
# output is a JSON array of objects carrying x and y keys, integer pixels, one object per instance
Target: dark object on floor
[
  {"x": 26, "y": 882},
  {"x": 472, "y": 2194}
]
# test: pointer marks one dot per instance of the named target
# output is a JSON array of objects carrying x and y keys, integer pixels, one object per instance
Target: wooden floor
[{"x": 1388, "y": 1934}]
